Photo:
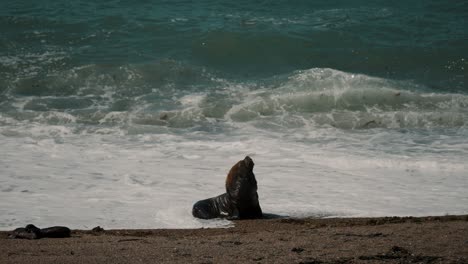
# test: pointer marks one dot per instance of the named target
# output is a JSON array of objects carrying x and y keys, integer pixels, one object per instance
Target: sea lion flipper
[
  {"x": 235, "y": 215},
  {"x": 212, "y": 207},
  {"x": 203, "y": 209}
]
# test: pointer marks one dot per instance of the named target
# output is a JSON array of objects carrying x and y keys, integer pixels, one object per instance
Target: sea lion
[
  {"x": 33, "y": 232},
  {"x": 240, "y": 200}
]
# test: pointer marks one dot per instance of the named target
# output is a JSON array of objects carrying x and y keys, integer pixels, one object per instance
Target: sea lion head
[
  {"x": 248, "y": 163},
  {"x": 240, "y": 182},
  {"x": 243, "y": 168},
  {"x": 32, "y": 228}
]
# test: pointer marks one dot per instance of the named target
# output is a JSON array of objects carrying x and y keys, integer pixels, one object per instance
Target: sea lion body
[
  {"x": 240, "y": 200},
  {"x": 33, "y": 232},
  {"x": 56, "y": 232}
]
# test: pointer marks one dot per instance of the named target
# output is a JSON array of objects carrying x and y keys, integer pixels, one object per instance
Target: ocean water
[{"x": 124, "y": 113}]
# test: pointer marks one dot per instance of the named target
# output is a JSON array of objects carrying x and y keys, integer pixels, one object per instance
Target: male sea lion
[
  {"x": 240, "y": 200},
  {"x": 33, "y": 232}
]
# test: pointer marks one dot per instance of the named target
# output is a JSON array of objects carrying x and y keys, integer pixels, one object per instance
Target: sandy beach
[{"x": 440, "y": 239}]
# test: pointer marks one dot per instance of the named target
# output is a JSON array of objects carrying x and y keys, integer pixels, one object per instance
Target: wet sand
[{"x": 441, "y": 239}]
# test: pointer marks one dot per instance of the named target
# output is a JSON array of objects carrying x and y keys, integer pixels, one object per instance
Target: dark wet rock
[
  {"x": 335, "y": 261},
  {"x": 129, "y": 239},
  {"x": 225, "y": 243},
  {"x": 401, "y": 254},
  {"x": 163, "y": 116},
  {"x": 361, "y": 235},
  {"x": 297, "y": 249},
  {"x": 294, "y": 221},
  {"x": 98, "y": 229}
]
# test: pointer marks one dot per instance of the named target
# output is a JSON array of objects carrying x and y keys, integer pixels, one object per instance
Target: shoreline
[{"x": 432, "y": 239}]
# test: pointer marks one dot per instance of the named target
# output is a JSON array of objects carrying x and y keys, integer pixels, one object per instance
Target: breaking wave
[{"x": 170, "y": 94}]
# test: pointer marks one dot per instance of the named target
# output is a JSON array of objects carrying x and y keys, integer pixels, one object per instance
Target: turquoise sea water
[{"x": 347, "y": 106}]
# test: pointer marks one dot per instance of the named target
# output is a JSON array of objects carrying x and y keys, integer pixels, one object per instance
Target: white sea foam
[
  {"x": 152, "y": 180},
  {"x": 29, "y": 64},
  {"x": 325, "y": 143}
]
